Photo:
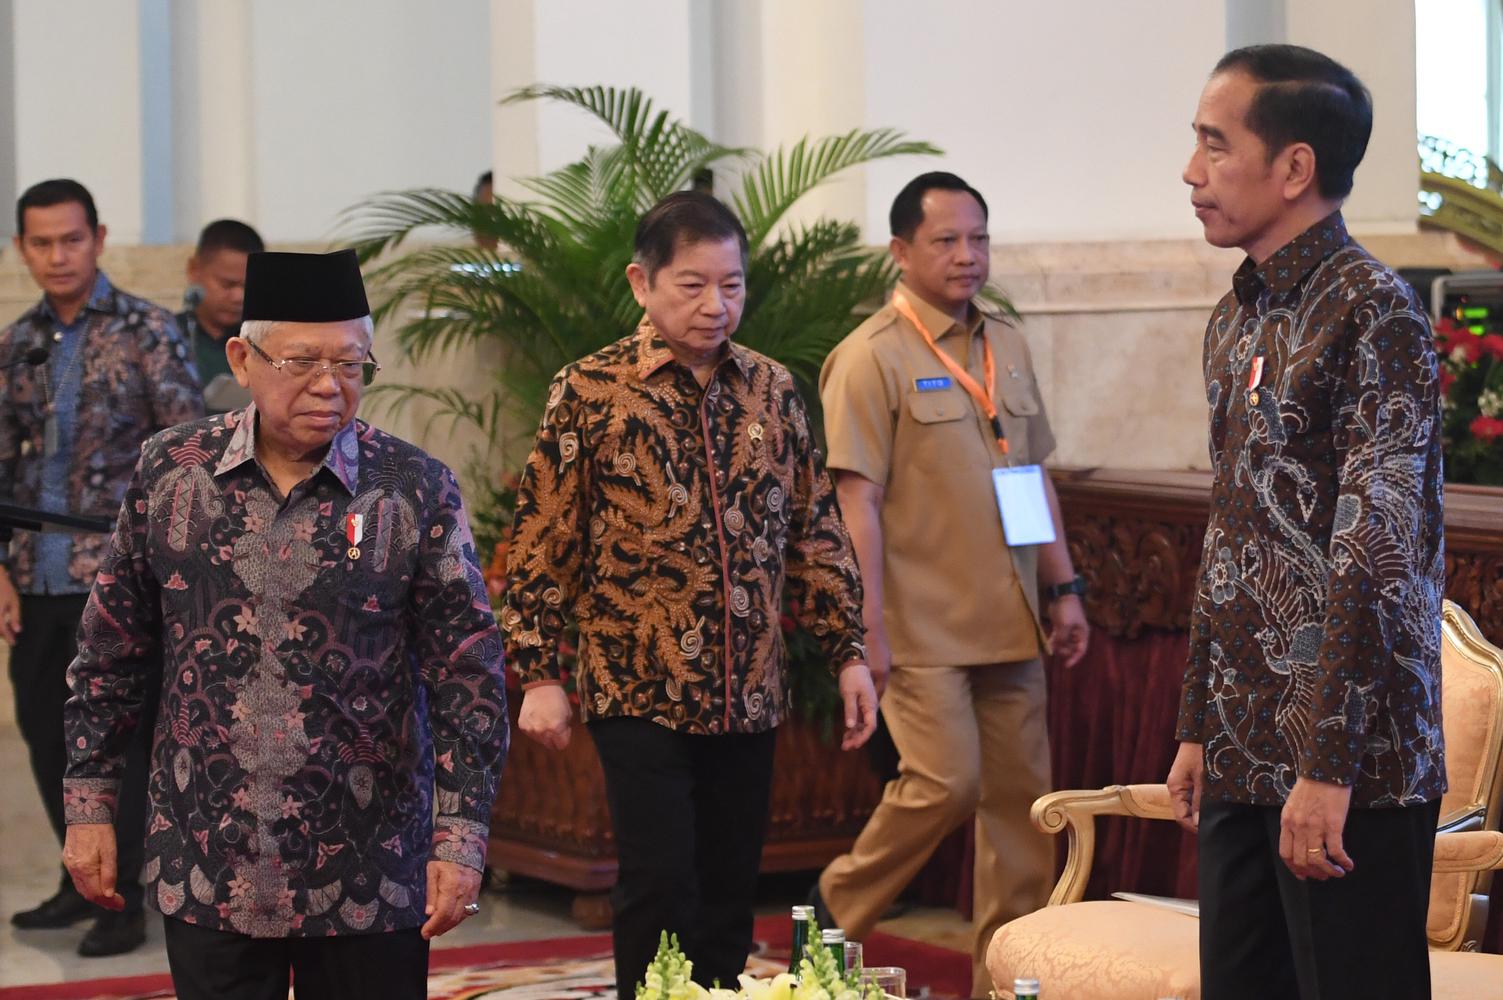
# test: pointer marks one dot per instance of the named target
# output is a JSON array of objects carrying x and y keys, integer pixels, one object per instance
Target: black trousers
[
  {"x": 39, "y": 672},
  {"x": 219, "y": 965},
  {"x": 1264, "y": 933},
  {"x": 689, "y": 813}
]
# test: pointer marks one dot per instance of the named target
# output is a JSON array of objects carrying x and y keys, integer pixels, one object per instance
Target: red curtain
[{"x": 1111, "y": 722}]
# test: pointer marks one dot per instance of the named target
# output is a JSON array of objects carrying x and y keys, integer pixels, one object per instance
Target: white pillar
[
  {"x": 1375, "y": 40},
  {"x": 214, "y": 127},
  {"x": 786, "y": 69},
  {"x": 78, "y": 103},
  {"x": 8, "y": 192},
  {"x": 580, "y": 43}
]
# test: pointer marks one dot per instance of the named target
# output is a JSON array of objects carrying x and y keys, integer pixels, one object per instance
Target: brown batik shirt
[
  {"x": 670, "y": 521},
  {"x": 1315, "y": 636}
]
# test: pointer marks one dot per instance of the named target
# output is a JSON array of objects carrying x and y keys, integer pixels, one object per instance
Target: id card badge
[{"x": 1023, "y": 505}]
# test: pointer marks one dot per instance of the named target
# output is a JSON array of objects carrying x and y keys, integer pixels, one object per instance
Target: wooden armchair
[{"x": 1117, "y": 949}]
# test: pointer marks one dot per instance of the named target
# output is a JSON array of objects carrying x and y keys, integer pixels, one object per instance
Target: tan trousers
[{"x": 972, "y": 739}]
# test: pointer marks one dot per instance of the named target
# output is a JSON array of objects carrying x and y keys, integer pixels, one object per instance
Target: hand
[
  {"x": 859, "y": 696},
  {"x": 89, "y": 853},
  {"x": 1069, "y": 630},
  {"x": 10, "y": 609},
  {"x": 450, "y": 887},
  {"x": 546, "y": 715},
  {"x": 878, "y": 658},
  {"x": 1186, "y": 780},
  {"x": 1310, "y": 830}
]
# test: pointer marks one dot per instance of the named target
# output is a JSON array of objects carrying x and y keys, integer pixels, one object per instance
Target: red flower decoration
[{"x": 1487, "y": 429}]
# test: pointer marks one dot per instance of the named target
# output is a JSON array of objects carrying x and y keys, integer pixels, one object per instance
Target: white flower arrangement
[
  {"x": 1490, "y": 403},
  {"x": 668, "y": 978}
]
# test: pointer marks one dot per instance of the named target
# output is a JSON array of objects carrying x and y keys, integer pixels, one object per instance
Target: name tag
[
  {"x": 1024, "y": 507},
  {"x": 931, "y": 384}
]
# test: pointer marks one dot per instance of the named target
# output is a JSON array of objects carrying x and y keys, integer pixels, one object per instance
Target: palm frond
[
  {"x": 785, "y": 176},
  {"x": 659, "y": 151}
]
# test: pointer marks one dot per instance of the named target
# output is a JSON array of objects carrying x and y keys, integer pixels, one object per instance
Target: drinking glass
[{"x": 888, "y": 978}]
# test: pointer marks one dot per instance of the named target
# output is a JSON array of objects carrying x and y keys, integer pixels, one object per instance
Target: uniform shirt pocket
[{"x": 945, "y": 433}]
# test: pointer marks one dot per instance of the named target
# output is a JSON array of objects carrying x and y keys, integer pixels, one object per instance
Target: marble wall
[
  {"x": 1116, "y": 331},
  {"x": 157, "y": 273}
]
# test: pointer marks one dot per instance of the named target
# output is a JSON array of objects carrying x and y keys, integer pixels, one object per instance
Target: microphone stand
[{"x": 14, "y": 518}]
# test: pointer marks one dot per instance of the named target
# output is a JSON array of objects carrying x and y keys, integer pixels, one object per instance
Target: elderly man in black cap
[{"x": 330, "y": 666}]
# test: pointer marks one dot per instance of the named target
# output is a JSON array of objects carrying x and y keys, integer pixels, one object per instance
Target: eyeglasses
[{"x": 304, "y": 369}]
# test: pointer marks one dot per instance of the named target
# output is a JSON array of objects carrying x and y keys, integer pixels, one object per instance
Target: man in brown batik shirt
[
  {"x": 1311, "y": 758},
  {"x": 673, "y": 499}
]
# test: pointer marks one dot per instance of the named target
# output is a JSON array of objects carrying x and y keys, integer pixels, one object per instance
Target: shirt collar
[
  {"x": 653, "y": 353},
  {"x": 1293, "y": 262},
  {"x": 938, "y": 323},
  {"x": 101, "y": 299},
  {"x": 342, "y": 458}
]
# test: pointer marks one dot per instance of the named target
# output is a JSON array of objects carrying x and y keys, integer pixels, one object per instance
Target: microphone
[{"x": 34, "y": 356}]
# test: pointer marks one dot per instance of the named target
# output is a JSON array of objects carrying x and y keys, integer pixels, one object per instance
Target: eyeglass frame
[{"x": 330, "y": 367}]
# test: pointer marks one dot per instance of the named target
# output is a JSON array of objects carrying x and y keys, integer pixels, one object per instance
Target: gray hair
[{"x": 257, "y": 330}]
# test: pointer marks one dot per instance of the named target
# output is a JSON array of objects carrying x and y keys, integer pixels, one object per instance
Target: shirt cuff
[
  {"x": 546, "y": 682},
  {"x": 90, "y": 800},
  {"x": 460, "y": 841}
]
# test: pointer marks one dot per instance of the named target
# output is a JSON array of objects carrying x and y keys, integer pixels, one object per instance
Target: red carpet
[{"x": 576, "y": 966}]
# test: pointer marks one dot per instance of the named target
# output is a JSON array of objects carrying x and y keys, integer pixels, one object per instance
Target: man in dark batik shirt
[
  {"x": 1311, "y": 757},
  {"x": 331, "y": 667},
  {"x": 673, "y": 498}
]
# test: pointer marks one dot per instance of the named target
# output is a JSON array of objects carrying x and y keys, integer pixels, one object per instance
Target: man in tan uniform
[{"x": 922, "y": 402}]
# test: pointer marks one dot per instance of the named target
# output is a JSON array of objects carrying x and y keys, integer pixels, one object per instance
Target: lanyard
[{"x": 983, "y": 399}]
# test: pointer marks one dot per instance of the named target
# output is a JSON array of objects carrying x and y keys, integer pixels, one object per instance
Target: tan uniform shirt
[{"x": 954, "y": 593}]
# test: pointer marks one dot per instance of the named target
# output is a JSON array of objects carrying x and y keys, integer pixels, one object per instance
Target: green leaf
[{"x": 781, "y": 179}]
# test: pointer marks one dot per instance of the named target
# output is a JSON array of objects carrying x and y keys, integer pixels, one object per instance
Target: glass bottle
[{"x": 803, "y": 919}]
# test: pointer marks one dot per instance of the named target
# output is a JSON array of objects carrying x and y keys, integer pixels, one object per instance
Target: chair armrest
[
  {"x": 1474, "y": 851},
  {"x": 1461, "y": 820},
  {"x": 1075, "y": 813}
]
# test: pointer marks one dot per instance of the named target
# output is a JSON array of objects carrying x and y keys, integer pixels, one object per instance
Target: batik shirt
[
  {"x": 330, "y": 664},
  {"x": 670, "y": 521},
  {"x": 137, "y": 378},
  {"x": 1315, "y": 635}
]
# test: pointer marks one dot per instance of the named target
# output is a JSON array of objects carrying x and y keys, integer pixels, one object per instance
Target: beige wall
[
  {"x": 1115, "y": 328},
  {"x": 156, "y": 273},
  {"x": 1116, "y": 331}
]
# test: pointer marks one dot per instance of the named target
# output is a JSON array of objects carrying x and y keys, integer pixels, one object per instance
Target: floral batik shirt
[
  {"x": 1315, "y": 634},
  {"x": 330, "y": 666},
  {"x": 670, "y": 521},
  {"x": 133, "y": 376}
]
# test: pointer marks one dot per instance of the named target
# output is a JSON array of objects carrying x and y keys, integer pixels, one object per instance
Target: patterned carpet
[{"x": 572, "y": 968}]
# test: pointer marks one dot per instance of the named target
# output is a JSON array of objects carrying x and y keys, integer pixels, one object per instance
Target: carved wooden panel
[{"x": 1136, "y": 538}]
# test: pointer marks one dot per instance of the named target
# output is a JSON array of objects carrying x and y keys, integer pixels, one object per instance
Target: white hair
[{"x": 257, "y": 330}]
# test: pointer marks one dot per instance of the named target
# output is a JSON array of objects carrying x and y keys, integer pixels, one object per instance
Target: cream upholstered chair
[
  {"x": 1466, "y": 974},
  {"x": 1115, "y": 949}
]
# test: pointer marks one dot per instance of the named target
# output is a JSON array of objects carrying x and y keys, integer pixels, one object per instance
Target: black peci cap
[{"x": 304, "y": 287}]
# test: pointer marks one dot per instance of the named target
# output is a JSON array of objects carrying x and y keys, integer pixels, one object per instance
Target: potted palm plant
[{"x": 554, "y": 291}]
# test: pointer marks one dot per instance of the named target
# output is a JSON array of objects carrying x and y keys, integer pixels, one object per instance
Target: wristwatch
[{"x": 1057, "y": 590}]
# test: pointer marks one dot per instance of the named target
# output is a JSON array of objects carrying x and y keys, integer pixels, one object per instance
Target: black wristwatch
[{"x": 1057, "y": 590}]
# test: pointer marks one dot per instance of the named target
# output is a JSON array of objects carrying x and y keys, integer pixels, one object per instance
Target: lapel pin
[{"x": 354, "y": 530}]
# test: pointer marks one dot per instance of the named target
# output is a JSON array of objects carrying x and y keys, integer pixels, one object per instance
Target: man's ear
[
  {"x": 636, "y": 276},
  {"x": 99, "y": 233},
  {"x": 1297, "y": 164},
  {"x": 194, "y": 270},
  {"x": 899, "y": 248},
  {"x": 237, "y": 353}
]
